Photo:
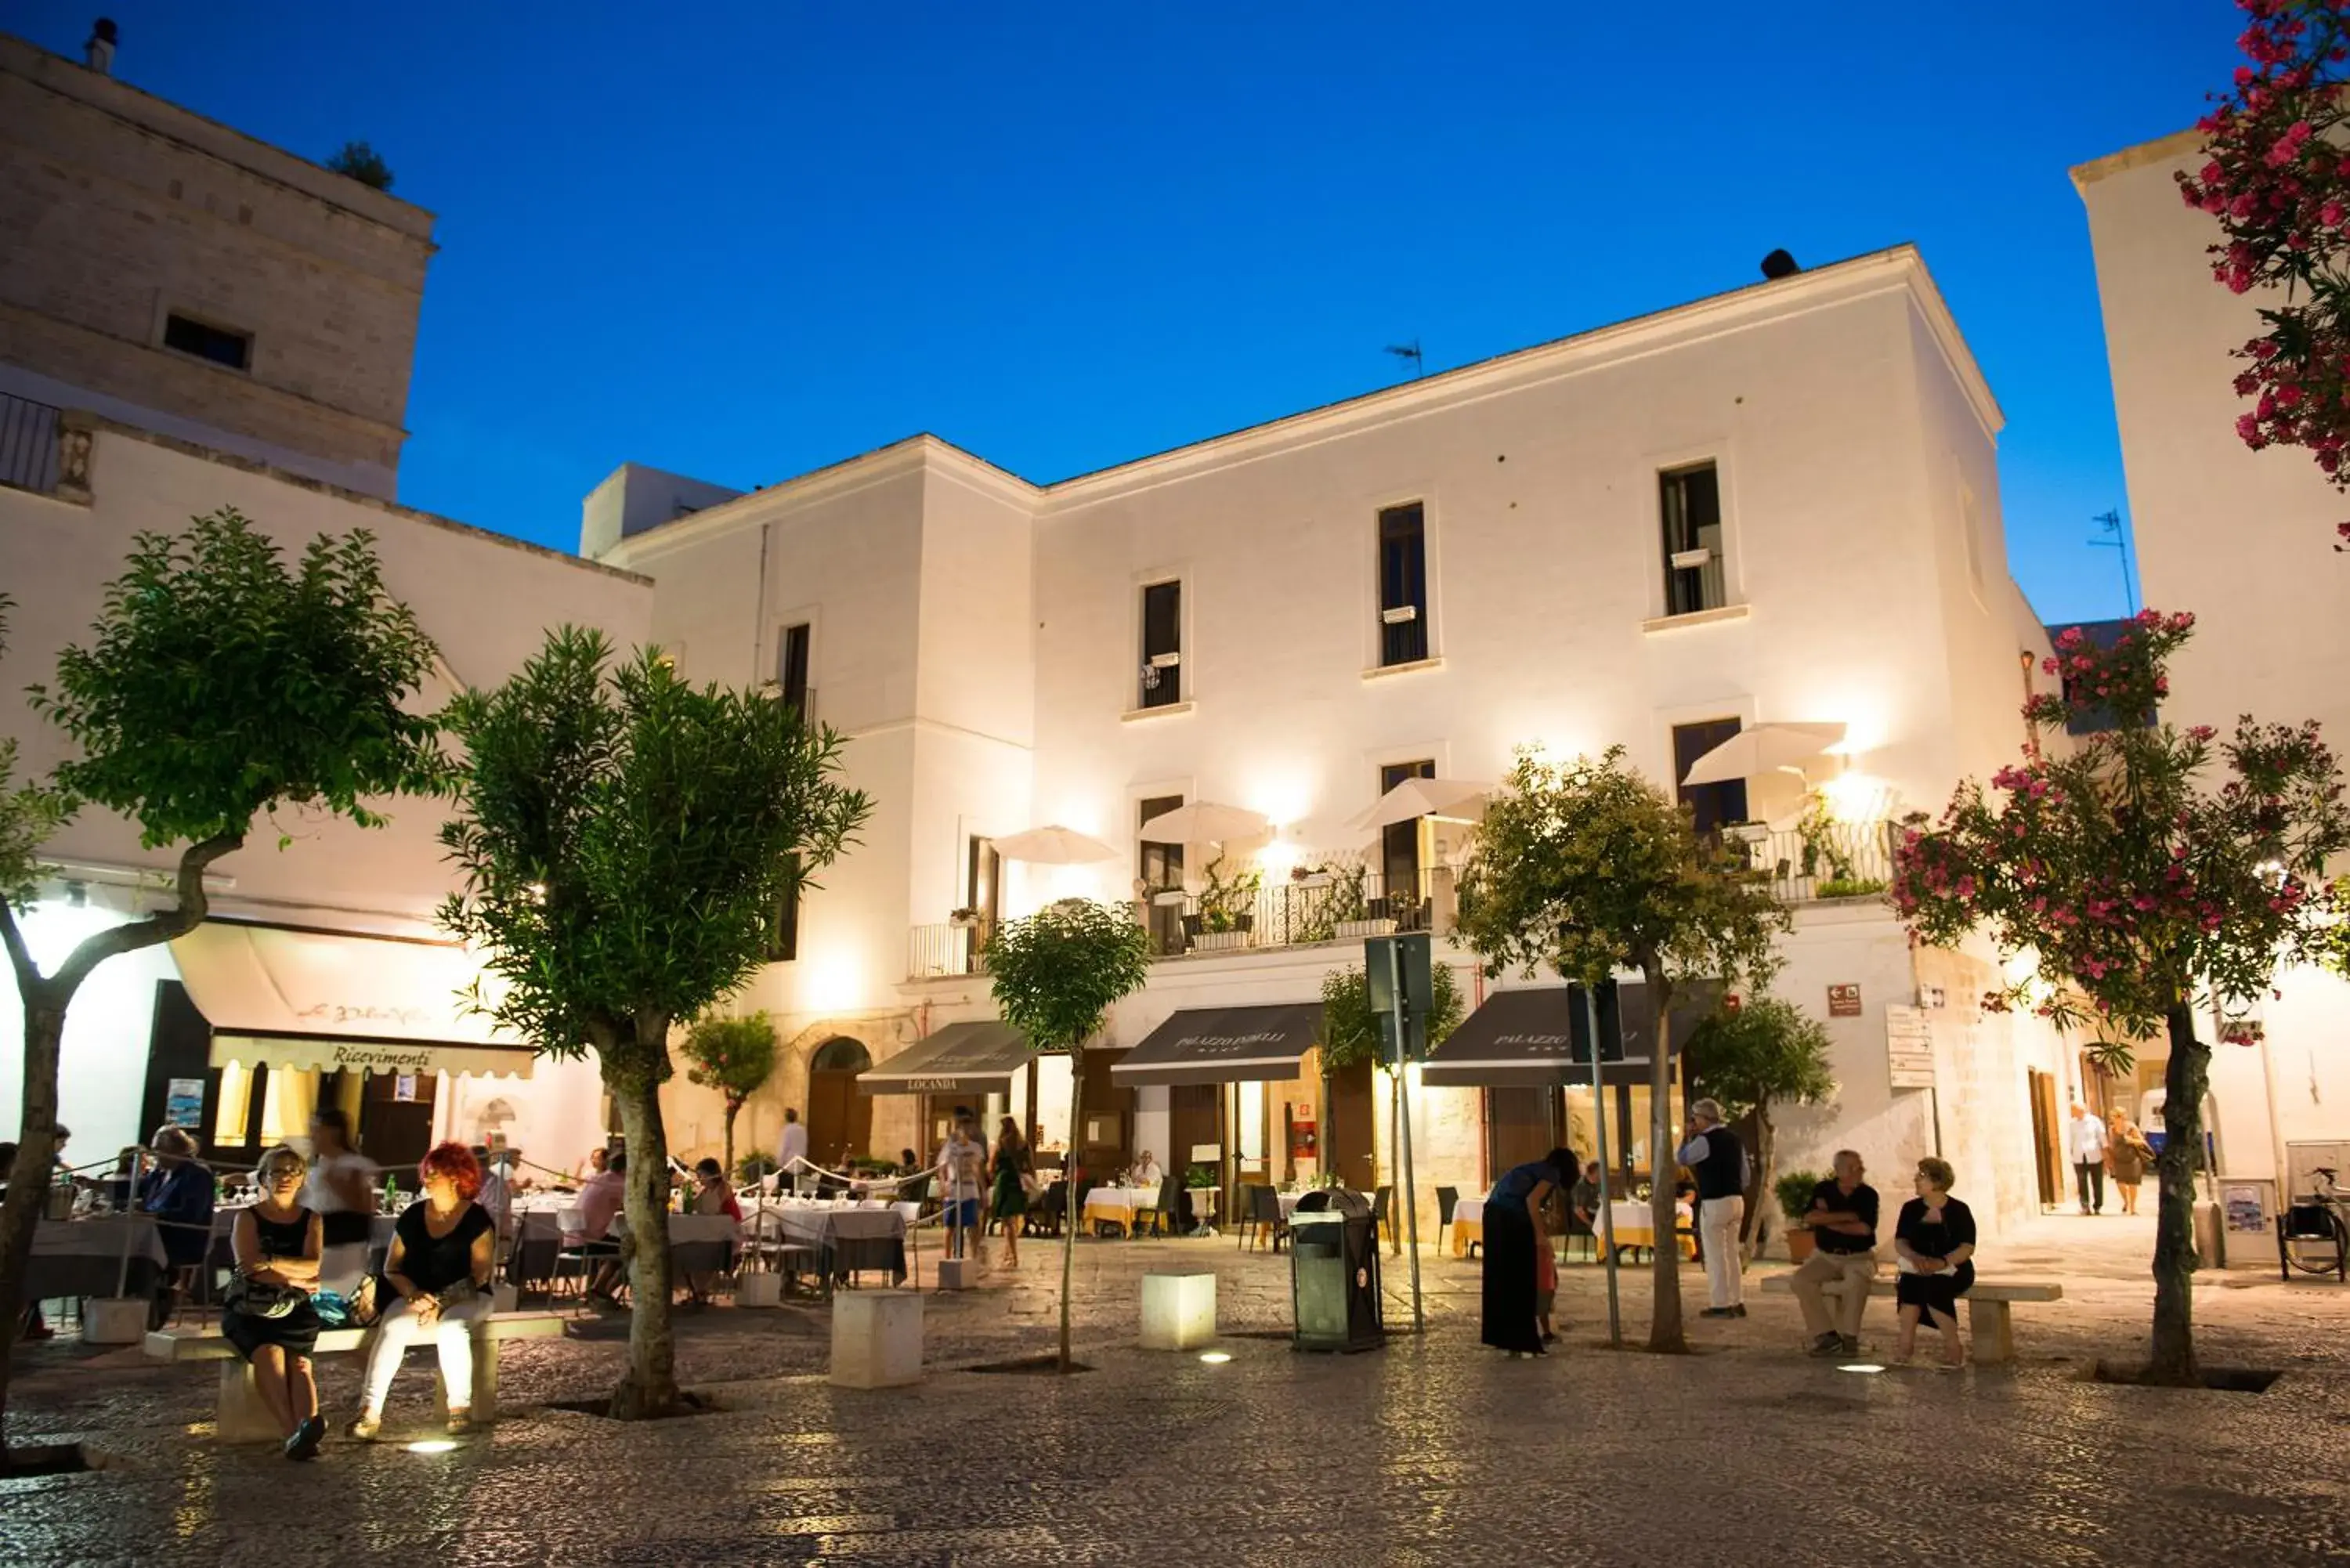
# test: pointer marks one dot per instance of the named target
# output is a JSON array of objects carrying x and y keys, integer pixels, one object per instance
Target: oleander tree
[
  {"x": 625, "y": 840},
  {"x": 1056, "y": 975},
  {"x": 2152, "y": 873},
  {"x": 1755, "y": 1057},
  {"x": 2275, "y": 177},
  {"x": 219, "y": 682},
  {"x": 1588, "y": 869},
  {"x": 735, "y": 1056}
]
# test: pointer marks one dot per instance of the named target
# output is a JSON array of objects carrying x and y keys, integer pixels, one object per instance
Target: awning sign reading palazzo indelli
[
  {"x": 1224, "y": 1046},
  {"x": 328, "y": 1001},
  {"x": 1539, "y": 1037}
]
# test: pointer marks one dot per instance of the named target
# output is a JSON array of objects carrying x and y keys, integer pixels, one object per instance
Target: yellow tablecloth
[{"x": 1633, "y": 1224}]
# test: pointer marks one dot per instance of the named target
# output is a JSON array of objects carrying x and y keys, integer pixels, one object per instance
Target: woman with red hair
[{"x": 442, "y": 1250}]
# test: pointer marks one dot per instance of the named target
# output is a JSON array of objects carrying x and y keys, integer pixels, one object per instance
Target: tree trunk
[
  {"x": 1665, "y": 1316},
  {"x": 1073, "y": 1165},
  {"x": 2174, "y": 1235},
  {"x": 733, "y": 1109},
  {"x": 28, "y": 1179},
  {"x": 1761, "y": 1202},
  {"x": 649, "y": 1387}
]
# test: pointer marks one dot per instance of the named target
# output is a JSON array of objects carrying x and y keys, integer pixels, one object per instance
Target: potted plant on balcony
[
  {"x": 1227, "y": 908},
  {"x": 963, "y": 920},
  {"x": 1793, "y": 1191},
  {"x": 1350, "y": 912}
]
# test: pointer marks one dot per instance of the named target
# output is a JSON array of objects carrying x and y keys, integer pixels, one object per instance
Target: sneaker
[
  {"x": 1848, "y": 1344},
  {"x": 1718, "y": 1312},
  {"x": 304, "y": 1444},
  {"x": 1827, "y": 1344},
  {"x": 460, "y": 1423},
  {"x": 368, "y": 1425}
]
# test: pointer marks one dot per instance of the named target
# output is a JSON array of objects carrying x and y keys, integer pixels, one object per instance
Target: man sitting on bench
[{"x": 1843, "y": 1220}]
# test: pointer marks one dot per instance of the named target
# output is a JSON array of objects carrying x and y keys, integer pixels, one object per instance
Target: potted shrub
[
  {"x": 1793, "y": 1191},
  {"x": 1351, "y": 914},
  {"x": 1227, "y": 908},
  {"x": 963, "y": 920}
]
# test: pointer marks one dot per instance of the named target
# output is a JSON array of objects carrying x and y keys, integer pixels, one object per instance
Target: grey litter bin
[{"x": 1333, "y": 1273}]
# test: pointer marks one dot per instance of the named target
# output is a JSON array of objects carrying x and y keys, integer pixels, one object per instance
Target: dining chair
[
  {"x": 1381, "y": 1220},
  {"x": 1446, "y": 1198}
]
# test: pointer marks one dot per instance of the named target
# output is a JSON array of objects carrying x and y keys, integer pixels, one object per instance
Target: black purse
[{"x": 255, "y": 1298}]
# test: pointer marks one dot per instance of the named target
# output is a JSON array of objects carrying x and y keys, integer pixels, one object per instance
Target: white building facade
[
  {"x": 2245, "y": 540},
  {"x": 1779, "y": 505}
]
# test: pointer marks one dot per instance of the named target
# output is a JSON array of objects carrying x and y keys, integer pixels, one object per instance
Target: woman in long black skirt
[{"x": 1515, "y": 1241}]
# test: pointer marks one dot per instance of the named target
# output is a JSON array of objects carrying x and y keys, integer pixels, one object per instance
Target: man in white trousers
[{"x": 1719, "y": 1160}]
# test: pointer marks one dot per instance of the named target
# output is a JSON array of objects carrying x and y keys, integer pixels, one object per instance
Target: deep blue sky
[{"x": 742, "y": 240}]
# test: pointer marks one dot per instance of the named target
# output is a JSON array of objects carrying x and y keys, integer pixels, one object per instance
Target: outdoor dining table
[
  {"x": 1120, "y": 1205},
  {"x": 867, "y": 1237},
  {"x": 1468, "y": 1225},
  {"x": 1633, "y": 1224},
  {"x": 102, "y": 1255}
]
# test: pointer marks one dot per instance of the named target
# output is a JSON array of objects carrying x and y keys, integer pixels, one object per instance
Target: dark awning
[
  {"x": 1537, "y": 1038},
  {"x": 959, "y": 1059},
  {"x": 1224, "y": 1046}
]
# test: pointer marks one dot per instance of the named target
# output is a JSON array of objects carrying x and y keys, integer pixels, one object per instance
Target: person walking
[
  {"x": 1015, "y": 1170},
  {"x": 791, "y": 1152},
  {"x": 2128, "y": 1155},
  {"x": 1935, "y": 1242},
  {"x": 1842, "y": 1217},
  {"x": 2084, "y": 1144},
  {"x": 340, "y": 1190},
  {"x": 275, "y": 1244},
  {"x": 1515, "y": 1243},
  {"x": 962, "y": 1160},
  {"x": 1719, "y": 1161}
]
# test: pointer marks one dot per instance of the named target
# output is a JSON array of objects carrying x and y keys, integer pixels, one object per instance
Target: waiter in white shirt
[{"x": 792, "y": 1152}]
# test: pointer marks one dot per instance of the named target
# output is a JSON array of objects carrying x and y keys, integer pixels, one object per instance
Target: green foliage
[
  {"x": 732, "y": 1055},
  {"x": 1850, "y": 888},
  {"x": 752, "y": 1167},
  {"x": 1226, "y": 904},
  {"x": 1197, "y": 1177},
  {"x": 1059, "y": 973},
  {"x": 1586, "y": 868},
  {"x": 625, "y": 838},
  {"x": 1793, "y": 1190},
  {"x": 2114, "y": 1058},
  {"x": 1350, "y": 1030},
  {"x": 29, "y": 814},
  {"x": 358, "y": 160},
  {"x": 1767, "y": 1053},
  {"x": 219, "y": 683},
  {"x": 2135, "y": 877}
]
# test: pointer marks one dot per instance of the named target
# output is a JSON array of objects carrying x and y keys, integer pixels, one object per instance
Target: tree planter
[{"x": 1801, "y": 1244}]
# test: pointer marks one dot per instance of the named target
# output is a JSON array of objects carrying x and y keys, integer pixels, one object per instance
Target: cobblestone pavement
[{"x": 1432, "y": 1451}]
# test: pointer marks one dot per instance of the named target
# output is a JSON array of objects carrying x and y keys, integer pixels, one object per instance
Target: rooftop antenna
[
  {"x": 2115, "y": 535},
  {"x": 1411, "y": 352}
]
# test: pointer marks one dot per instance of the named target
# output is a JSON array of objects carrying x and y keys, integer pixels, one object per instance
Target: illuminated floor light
[
  {"x": 1215, "y": 1358},
  {"x": 433, "y": 1446},
  {"x": 1861, "y": 1367}
]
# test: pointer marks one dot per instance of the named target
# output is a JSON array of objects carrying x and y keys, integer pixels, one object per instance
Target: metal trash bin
[{"x": 1333, "y": 1273}]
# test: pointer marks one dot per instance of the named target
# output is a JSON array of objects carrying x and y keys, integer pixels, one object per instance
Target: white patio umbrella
[
  {"x": 1054, "y": 846},
  {"x": 1204, "y": 821},
  {"x": 1459, "y": 799},
  {"x": 1761, "y": 749}
]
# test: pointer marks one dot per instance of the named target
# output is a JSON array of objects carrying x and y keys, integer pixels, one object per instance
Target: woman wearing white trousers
[
  {"x": 442, "y": 1251},
  {"x": 1718, "y": 1160}
]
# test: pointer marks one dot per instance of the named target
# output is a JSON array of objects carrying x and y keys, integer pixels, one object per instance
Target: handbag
[
  {"x": 256, "y": 1298},
  {"x": 364, "y": 1304}
]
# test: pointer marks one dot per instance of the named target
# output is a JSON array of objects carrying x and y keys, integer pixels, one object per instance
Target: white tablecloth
[
  {"x": 1118, "y": 1204},
  {"x": 86, "y": 1257},
  {"x": 1469, "y": 1211}
]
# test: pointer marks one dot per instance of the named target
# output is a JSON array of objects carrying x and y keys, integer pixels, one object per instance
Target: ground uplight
[
  {"x": 433, "y": 1446},
  {"x": 1861, "y": 1367},
  {"x": 1215, "y": 1358}
]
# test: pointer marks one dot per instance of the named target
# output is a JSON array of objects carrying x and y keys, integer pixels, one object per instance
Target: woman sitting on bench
[
  {"x": 276, "y": 1244},
  {"x": 443, "y": 1250}
]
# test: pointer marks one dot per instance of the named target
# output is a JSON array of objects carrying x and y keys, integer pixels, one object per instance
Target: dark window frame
[
  {"x": 1686, "y": 511},
  {"x": 1161, "y": 613},
  {"x": 1712, "y": 805},
  {"x": 196, "y": 338},
  {"x": 795, "y": 649},
  {"x": 1401, "y": 560}
]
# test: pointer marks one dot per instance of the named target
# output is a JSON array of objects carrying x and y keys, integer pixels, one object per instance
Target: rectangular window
[
  {"x": 205, "y": 341},
  {"x": 1711, "y": 805},
  {"x": 1163, "y": 645},
  {"x": 1403, "y": 583},
  {"x": 783, "y": 929},
  {"x": 983, "y": 883},
  {"x": 1399, "y": 865},
  {"x": 1161, "y": 867},
  {"x": 1690, "y": 503},
  {"x": 792, "y": 669}
]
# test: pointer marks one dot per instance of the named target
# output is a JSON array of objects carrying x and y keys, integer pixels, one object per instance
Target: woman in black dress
[
  {"x": 1935, "y": 1238},
  {"x": 1514, "y": 1240},
  {"x": 1009, "y": 1205},
  {"x": 275, "y": 1242}
]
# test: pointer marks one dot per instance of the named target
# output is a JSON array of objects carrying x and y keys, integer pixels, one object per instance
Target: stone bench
[
  {"x": 1987, "y": 1302},
  {"x": 244, "y": 1418}
]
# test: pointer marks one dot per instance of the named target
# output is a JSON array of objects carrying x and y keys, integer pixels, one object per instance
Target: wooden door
[
  {"x": 1106, "y": 1143},
  {"x": 1521, "y": 1124},
  {"x": 840, "y": 1118},
  {"x": 1351, "y": 1139},
  {"x": 2049, "y": 1153},
  {"x": 1192, "y": 1120},
  {"x": 394, "y": 1132}
]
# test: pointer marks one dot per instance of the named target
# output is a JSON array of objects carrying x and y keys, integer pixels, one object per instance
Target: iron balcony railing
[
  {"x": 1827, "y": 860},
  {"x": 1326, "y": 907},
  {"x": 28, "y": 444}
]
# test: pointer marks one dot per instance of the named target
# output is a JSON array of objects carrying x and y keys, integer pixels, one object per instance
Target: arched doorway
[{"x": 840, "y": 1118}]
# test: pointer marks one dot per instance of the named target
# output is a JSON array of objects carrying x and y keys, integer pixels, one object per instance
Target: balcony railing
[
  {"x": 28, "y": 444},
  {"x": 1330, "y": 907},
  {"x": 936, "y": 951},
  {"x": 1830, "y": 860}
]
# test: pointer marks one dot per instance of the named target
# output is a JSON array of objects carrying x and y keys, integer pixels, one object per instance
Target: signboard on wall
[
  {"x": 1908, "y": 1048},
  {"x": 1844, "y": 1001},
  {"x": 183, "y": 1103}
]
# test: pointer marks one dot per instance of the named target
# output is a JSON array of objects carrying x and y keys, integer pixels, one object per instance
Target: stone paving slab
[{"x": 1432, "y": 1451}]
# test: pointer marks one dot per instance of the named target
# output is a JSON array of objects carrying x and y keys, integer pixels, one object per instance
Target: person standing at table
[
  {"x": 342, "y": 1192},
  {"x": 791, "y": 1151},
  {"x": 1515, "y": 1242},
  {"x": 1842, "y": 1218},
  {"x": 1014, "y": 1168},
  {"x": 442, "y": 1251},
  {"x": 276, "y": 1243},
  {"x": 1719, "y": 1161},
  {"x": 962, "y": 1161},
  {"x": 179, "y": 1193}
]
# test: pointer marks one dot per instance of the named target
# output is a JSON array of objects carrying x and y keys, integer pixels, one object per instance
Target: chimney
[
  {"x": 1779, "y": 265},
  {"x": 98, "y": 53}
]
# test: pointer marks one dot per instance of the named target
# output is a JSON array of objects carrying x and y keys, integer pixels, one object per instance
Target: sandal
[{"x": 368, "y": 1425}]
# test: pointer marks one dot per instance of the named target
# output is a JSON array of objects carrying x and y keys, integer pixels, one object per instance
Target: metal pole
[
  {"x": 1403, "y": 1139},
  {"x": 1607, "y": 1210}
]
